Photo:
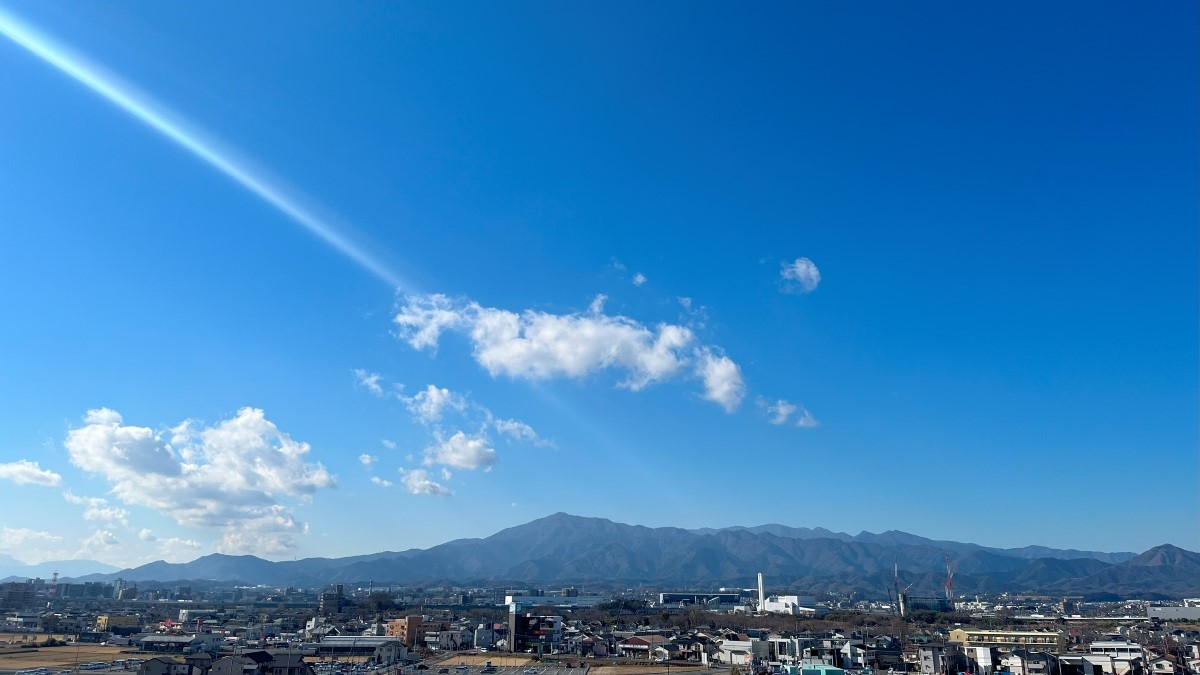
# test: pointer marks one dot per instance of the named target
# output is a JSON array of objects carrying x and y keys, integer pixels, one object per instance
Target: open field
[
  {"x": 26, "y": 638},
  {"x": 56, "y": 657}
]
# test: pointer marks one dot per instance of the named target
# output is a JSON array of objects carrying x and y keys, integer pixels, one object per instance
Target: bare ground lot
[
  {"x": 16, "y": 658},
  {"x": 480, "y": 659}
]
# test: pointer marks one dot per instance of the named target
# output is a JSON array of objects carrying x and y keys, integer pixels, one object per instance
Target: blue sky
[{"x": 927, "y": 267}]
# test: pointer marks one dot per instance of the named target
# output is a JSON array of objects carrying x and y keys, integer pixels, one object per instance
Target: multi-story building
[
  {"x": 409, "y": 630},
  {"x": 118, "y": 623},
  {"x": 1009, "y": 639}
]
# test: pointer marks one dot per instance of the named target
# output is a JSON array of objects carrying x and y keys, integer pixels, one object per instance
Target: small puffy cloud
[
  {"x": 390, "y": 445},
  {"x": 518, "y": 431},
  {"x": 25, "y": 472},
  {"x": 381, "y": 482},
  {"x": 367, "y": 460},
  {"x": 19, "y": 537},
  {"x": 800, "y": 276},
  {"x": 418, "y": 482},
  {"x": 430, "y": 403},
  {"x": 722, "y": 379},
  {"x": 639, "y": 279},
  {"x": 462, "y": 451},
  {"x": 685, "y": 302},
  {"x": 146, "y": 534},
  {"x": 233, "y": 476},
  {"x": 538, "y": 345},
  {"x": 97, "y": 508},
  {"x": 369, "y": 381}
]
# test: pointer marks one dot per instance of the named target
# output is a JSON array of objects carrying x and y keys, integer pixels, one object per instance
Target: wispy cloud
[
  {"x": 781, "y": 412},
  {"x": 369, "y": 381},
  {"x": 97, "y": 508}
]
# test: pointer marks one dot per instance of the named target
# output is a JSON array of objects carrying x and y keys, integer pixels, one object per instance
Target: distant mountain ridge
[
  {"x": 894, "y": 537},
  {"x": 593, "y": 551},
  {"x": 11, "y": 568}
]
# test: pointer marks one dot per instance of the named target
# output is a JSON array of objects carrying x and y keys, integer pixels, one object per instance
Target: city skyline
[{"x": 276, "y": 279}]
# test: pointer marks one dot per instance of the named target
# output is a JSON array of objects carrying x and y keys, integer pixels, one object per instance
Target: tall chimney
[{"x": 761, "y": 598}]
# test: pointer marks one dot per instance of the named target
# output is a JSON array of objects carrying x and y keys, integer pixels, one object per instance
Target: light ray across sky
[{"x": 170, "y": 125}]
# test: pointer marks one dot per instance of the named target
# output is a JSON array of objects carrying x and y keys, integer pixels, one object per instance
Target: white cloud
[
  {"x": 232, "y": 476},
  {"x": 369, "y": 380},
  {"x": 98, "y": 545},
  {"x": 19, "y": 537},
  {"x": 639, "y": 279},
  {"x": 367, "y": 460},
  {"x": 430, "y": 403},
  {"x": 146, "y": 534},
  {"x": 178, "y": 549},
  {"x": 800, "y": 276},
  {"x": 780, "y": 411},
  {"x": 446, "y": 474},
  {"x": 462, "y": 451},
  {"x": 685, "y": 302},
  {"x": 381, "y": 482},
  {"x": 269, "y": 532},
  {"x": 23, "y": 472},
  {"x": 518, "y": 431},
  {"x": 538, "y": 345},
  {"x": 722, "y": 379},
  {"x": 806, "y": 420},
  {"x": 390, "y": 445},
  {"x": 418, "y": 482},
  {"x": 97, "y": 508},
  {"x": 422, "y": 322}
]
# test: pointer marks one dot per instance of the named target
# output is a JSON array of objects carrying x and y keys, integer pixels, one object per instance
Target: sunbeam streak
[{"x": 157, "y": 117}]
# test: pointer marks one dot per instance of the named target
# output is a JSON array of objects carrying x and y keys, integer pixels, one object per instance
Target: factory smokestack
[{"x": 761, "y": 597}]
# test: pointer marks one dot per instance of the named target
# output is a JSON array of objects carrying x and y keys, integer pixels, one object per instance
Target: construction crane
[
  {"x": 50, "y": 592},
  {"x": 950, "y": 582}
]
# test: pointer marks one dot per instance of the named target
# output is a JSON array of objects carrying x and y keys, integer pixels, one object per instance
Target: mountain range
[
  {"x": 594, "y": 552},
  {"x": 11, "y": 567}
]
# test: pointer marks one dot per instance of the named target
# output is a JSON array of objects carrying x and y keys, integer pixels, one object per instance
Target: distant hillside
[
  {"x": 572, "y": 550},
  {"x": 12, "y": 569},
  {"x": 896, "y": 537}
]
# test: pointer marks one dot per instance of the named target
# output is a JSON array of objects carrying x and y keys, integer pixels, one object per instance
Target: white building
[{"x": 789, "y": 604}]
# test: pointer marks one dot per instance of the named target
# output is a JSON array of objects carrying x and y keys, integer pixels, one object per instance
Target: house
[
  {"x": 161, "y": 665},
  {"x": 1161, "y": 666},
  {"x": 1024, "y": 662}
]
